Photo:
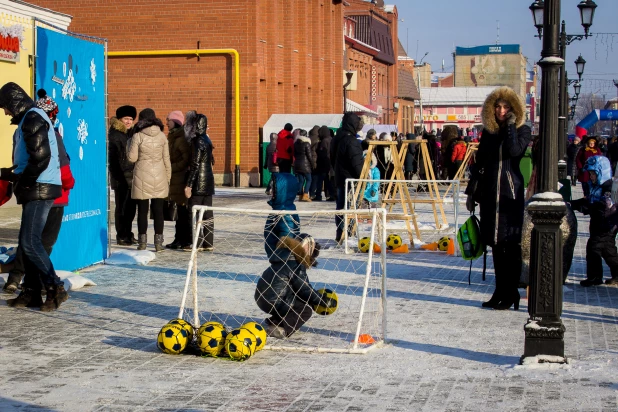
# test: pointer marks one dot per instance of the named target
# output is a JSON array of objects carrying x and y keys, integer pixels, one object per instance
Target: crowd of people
[{"x": 166, "y": 175}]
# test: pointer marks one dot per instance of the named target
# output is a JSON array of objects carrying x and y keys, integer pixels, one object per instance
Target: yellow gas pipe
[{"x": 198, "y": 53}]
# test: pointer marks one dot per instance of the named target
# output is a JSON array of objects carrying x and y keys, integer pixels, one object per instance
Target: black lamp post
[
  {"x": 586, "y": 12},
  {"x": 577, "y": 88},
  {"x": 544, "y": 331}
]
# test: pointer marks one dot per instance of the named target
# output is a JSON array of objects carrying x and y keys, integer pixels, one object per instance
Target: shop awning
[{"x": 353, "y": 107}]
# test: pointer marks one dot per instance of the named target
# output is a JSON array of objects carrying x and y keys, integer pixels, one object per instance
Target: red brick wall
[{"x": 273, "y": 79}]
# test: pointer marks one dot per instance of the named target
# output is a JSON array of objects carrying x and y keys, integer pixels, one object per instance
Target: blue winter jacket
[
  {"x": 372, "y": 191},
  {"x": 285, "y": 187}
]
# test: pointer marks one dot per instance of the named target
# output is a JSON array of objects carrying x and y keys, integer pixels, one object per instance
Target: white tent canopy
[{"x": 300, "y": 121}]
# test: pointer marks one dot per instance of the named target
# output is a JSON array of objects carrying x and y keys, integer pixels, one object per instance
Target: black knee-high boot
[
  {"x": 512, "y": 273},
  {"x": 499, "y": 266}
]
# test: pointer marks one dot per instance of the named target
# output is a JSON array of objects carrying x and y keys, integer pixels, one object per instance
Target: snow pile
[
  {"x": 130, "y": 257},
  {"x": 72, "y": 281}
]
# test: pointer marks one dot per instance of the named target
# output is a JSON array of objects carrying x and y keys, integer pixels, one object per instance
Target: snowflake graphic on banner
[
  {"x": 93, "y": 72},
  {"x": 82, "y": 136},
  {"x": 69, "y": 87}
]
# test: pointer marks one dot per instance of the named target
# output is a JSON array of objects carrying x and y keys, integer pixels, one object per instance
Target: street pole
[
  {"x": 544, "y": 331},
  {"x": 562, "y": 119}
]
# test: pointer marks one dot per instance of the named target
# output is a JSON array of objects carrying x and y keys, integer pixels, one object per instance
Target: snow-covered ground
[{"x": 443, "y": 351}]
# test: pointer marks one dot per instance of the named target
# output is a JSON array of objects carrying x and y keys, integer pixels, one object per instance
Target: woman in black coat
[
  {"x": 497, "y": 184},
  {"x": 304, "y": 165},
  {"x": 200, "y": 186}
]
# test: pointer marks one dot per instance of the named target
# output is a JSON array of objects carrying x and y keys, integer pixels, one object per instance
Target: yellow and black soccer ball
[
  {"x": 363, "y": 244},
  {"x": 443, "y": 243},
  {"x": 211, "y": 339},
  {"x": 329, "y": 302},
  {"x": 172, "y": 339},
  {"x": 259, "y": 332},
  {"x": 240, "y": 344},
  {"x": 393, "y": 241},
  {"x": 207, "y": 324},
  {"x": 185, "y": 325}
]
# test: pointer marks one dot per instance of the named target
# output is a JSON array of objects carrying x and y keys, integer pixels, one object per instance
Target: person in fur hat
[
  {"x": 149, "y": 150},
  {"x": 590, "y": 148},
  {"x": 121, "y": 174},
  {"x": 180, "y": 154},
  {"x": 497, "y": 184},
  {"x": 603, "y": 220},
  {"x": 284, "y": 291}
]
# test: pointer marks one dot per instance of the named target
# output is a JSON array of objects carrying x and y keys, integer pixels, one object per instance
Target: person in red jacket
[
  {"x": 590, "y": 147},
  {"x": 457, "y": 156},
  {"x": 285, "y": 149},
  {"x": 54, "y": 219}
]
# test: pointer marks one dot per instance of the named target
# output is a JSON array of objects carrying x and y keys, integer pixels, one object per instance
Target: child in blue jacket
[
  {"x": 371, "y": 195},
  {"x": 284, "y": 189}
]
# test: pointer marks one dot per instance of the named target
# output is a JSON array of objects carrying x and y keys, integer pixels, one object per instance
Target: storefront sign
[{"x": 9, "y": 49}]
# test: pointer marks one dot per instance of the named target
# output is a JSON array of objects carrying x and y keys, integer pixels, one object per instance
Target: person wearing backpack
[
  {"x": 497, "y": 185},
  {"x": 603, "y": 222}
]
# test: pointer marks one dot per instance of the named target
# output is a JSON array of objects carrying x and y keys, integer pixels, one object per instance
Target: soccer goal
[
  {"x": 421, "y": 211},
  {"x": 221, "y": 284}
]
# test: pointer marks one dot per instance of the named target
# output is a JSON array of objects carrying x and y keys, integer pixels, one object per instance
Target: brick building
[
  {"x": 371, "y": 51},
  {"x": 290, "y": 62}
]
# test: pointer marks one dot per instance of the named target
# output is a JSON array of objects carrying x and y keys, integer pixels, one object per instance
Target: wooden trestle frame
[
  {"x": 461, "y": 172},
  {"x": 397, "y": 191}
]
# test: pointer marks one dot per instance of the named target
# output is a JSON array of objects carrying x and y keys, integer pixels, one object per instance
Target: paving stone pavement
[{"x": 444, "y": 352}]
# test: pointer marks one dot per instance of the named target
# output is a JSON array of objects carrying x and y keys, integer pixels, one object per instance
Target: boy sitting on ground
[{"x": 603, "y": 219}]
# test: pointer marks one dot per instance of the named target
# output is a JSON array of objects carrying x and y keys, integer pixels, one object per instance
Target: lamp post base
[
  {"x": 544, "y": 340},
  {"x": 562, "y": 170}
]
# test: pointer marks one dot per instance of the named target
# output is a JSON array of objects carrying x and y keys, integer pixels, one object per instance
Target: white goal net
[
  {"x": 221, "y": 284},
  {"x": 420, "y": 211}
]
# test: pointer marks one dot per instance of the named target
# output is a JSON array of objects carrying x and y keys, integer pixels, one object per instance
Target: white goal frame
[{"x": 377, "y": 236}]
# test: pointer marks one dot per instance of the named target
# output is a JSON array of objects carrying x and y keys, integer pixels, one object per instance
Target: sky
[{"x": 437, "y": 26}]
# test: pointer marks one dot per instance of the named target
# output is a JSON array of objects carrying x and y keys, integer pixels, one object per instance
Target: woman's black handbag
[{"x": 170, "y": 211}]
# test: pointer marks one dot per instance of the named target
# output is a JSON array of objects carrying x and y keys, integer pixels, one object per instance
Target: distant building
[
  {"x": 459, "y": 106},
  {"x": 491, "y": 65}
]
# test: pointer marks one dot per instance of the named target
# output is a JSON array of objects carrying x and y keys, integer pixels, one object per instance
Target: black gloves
[
  {"x": 6, "y": 173},
  {"x": 470, "y": 204}
]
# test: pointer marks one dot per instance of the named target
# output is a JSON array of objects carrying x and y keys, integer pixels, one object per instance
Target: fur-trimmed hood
[
  {"x": 508, "y": 95},
  {"x": 304, "y": 248},
  {"x": 117, "y": 125},
  {"x": 144, "y": 124},
  {"x": 303, "y": 139}
]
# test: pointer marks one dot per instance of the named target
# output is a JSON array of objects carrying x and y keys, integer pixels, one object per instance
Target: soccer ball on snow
[
  {"x": 259, "y": 332},
  {"x": 211, "y": 339},
  {"x": 172, "y": 339},
  {"x": 393, "y": 242},
  {"x": 443, "y": 243},
  {"x": 240, "y": 344},
  {"x": 185, "y": 325},
  {"x": 363, "y": 244},
  {"x": 329, "y": 304},
  {"x": 212, "y": 323}
]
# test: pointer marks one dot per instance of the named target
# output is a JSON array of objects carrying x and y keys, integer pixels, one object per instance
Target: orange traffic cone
[
  {"x": 377, "y": 248},
  {"x": 430, "y": 246},
  {"x": 401, "y": 249},
  {"x": 366, "y": 339},
  {"x": 451, "y": 247}
]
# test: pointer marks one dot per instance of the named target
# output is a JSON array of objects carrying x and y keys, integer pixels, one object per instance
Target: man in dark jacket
[
  {"x": 346, "y": 156},
  {"x": 36, "y": 175},
  {"x": 285, "y": 149},
  {"x": 284, "y": 291},
  {"x": 121, "y": 174},
  {"x": 603, "y": 220},
  {"x": 200, "y": 185},
  {"x": 612, "y": 153}
]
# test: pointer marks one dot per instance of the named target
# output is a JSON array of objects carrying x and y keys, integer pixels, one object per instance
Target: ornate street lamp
[
  {"x": 586, "y": 11},
  {"x": 580, "y": 64},
  {"x": 537, "y": 14},
  {"x": 577, "y": 87}
]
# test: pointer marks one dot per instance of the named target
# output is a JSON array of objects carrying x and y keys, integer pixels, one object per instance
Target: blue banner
[
  {"x": 71, "y": 70},
  {"x": 490, "y": 49}
]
